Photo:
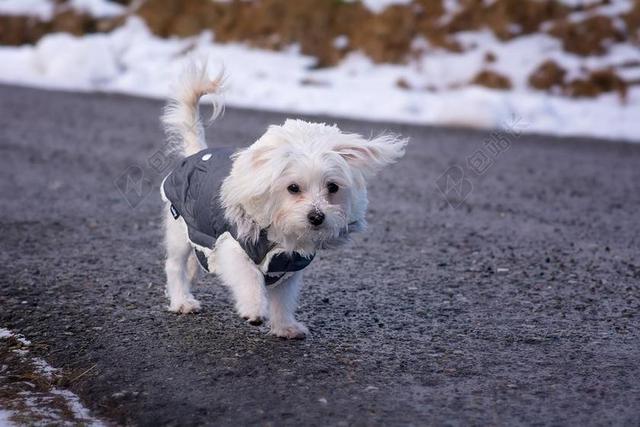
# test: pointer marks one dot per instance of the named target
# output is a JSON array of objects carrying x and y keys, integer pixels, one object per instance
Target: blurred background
[{"x": 564, "y": 67}]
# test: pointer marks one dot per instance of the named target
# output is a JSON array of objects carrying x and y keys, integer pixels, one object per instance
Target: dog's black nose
[{"x": 315, "y": 217}]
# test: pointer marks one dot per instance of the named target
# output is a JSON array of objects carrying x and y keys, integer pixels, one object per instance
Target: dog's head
[{"x": 306, "y": 183}]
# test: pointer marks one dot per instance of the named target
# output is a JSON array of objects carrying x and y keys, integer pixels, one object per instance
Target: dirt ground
[{"x": 513, "y": 300}]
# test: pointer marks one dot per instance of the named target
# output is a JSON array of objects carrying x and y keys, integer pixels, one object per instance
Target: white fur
[
  {"x": 181, "y": 119},
  {"x": 255, "y": 196}
]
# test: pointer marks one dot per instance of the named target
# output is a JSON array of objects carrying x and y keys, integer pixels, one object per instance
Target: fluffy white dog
[{"x": 256, "y": 217}]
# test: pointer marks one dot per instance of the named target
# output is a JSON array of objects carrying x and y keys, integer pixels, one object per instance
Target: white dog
[{"x": 257, "y": 216}]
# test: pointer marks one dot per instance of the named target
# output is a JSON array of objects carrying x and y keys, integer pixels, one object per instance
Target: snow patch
[
  {"x": 612, "y": 10},
  {"x": 377, "y": 6},
  {"x": 98, "y": 8},
  {"x": 5, "y": 418},
  {"x": 80, "y": 412},
  {"x": 6, "y": 333},
  {"x": 44, "y": 369},
  {"x": 44, "y": 9}
]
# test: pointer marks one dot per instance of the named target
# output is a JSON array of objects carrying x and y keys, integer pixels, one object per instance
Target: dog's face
[
  {"x": 305, "y": 183},
  {"x": 312, "y": 202}
]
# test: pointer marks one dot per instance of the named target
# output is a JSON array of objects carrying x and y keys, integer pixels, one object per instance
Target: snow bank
[{"x": 435, "y": 87}]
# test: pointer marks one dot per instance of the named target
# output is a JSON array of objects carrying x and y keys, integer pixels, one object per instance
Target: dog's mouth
[
  {"x": 325, "y": 231},
  {"x": 319, "y": 235}
]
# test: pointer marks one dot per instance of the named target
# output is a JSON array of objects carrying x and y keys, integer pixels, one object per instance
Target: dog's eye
[
  {"x": 332, "y": 187},
  {"x": 293, "y": 188}
]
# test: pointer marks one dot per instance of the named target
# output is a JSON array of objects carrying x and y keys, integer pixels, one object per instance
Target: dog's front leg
[
  {"x": 242, "y": 276},
  {"x": 283, "y": 301}
]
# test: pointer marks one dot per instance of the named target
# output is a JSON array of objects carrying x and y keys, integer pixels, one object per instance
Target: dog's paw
[
  {"x": 254, "y": 320},
  {"x": 185, "y": 305},
  {"x": 292, "y": 331},
  {"x": 254, "y": 314}
]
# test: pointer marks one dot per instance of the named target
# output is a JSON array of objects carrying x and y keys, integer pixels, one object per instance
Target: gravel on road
[{"x": 515, "y": 300}]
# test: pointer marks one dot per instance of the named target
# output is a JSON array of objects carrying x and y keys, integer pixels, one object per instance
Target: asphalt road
[{"x": 518, "y": 305}]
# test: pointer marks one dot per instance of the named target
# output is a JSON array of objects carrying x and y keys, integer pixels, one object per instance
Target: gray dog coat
[{"x": 193, "y": 189}]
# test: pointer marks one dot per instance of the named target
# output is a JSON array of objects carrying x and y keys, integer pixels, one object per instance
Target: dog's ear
[
  {"x": 369, "y": 156},
  {"x": 254, "y": 170}
]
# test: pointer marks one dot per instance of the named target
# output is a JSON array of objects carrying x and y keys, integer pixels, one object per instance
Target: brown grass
[
  {"x": 492, "y": 79},
  {"x": 547, "y": 76},
  {"x": 597, "y": 83},
  {"x": 386, "y": 37},
  {"x": 588, "y": 37}
]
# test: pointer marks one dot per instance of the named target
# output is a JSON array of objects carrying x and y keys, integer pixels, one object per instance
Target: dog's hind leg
[
  {"x": 179, "y": 267},
  {"x": 193, "y": 269}
]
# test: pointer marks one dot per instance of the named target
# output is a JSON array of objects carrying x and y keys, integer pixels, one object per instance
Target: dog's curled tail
[{"x": 181, "y": 118}]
